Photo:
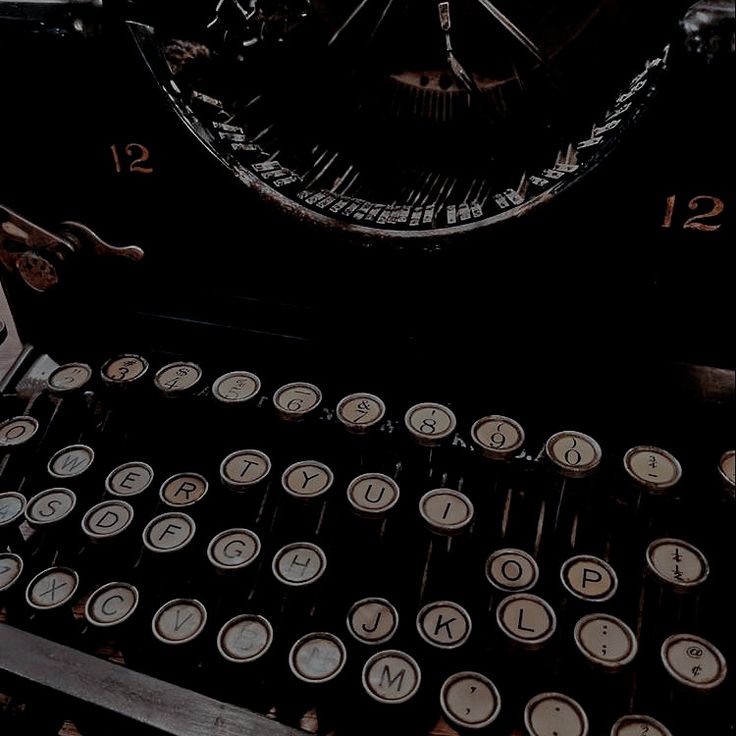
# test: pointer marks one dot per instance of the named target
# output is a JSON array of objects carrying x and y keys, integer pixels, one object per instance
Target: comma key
[{"x": 470, "y": 700}]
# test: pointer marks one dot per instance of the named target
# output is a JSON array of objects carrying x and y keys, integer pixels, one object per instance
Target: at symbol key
[
  {"x": 470, "y": 700},
  {"x": 693, "y": 661}
]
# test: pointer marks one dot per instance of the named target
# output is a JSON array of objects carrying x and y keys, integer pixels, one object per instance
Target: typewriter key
[
  {"x": 444, "y": 624},
  {"x": 526, "y": 619},
  {"x": 295, "y": 401},
  {"x": 300, "y": 563},
  {"x": 693, "y": 661},
  {"x": 124, "y": 370},
  {"x": 244, "y": 469},
  {"x": 446, "y": 511},
  {"x": 12, "y": 506},
  {"x": 430, "y": 423},
  {"x": 512, "y": 570},
  {"x": 168, "y": 532},
  {"x": 50, "y": 507},
  {"x": 17, "y": 431},
  {"x": 233, "y": 549},
  {"x": 71, "y": 461},
  {"x": 111, "y": 605},
  {"x": 245, "y": 638},
  {"x": 11, "y": 567},
  {"x": 554, "y": 714},
  {"x": 317, "y": 658},
  {"x": 655, "y": 469},
  {"x": 69, "y": 377},
  {"x": 179, "y": 621},
  {"x": 589, "y": 578},
  {"x": 638, "y": 726},
  {"x": 373, "y": 494},
  {"x": 605, "y": 640},
  {"x": 358, "y": 412},
  {"x": 129, "y": 479},
  {"x": 373, "y": 620},
  {"x": 52, "y": 588},
  {"x": 391, "y": 677},
  {"x": 573, "y": 453},
  {"x": 183, "y": 489},
  {"x": 237, "y": 387},
  {"x": 727, "y": 470},
  {"x": 107, "y": 519},
  {"x": 498, "y": 438},
  {"x": 177, "y": 378},
  {"x": 677, "y": 563},
  {"x": 470, "y": 700},
  {"x": 307, "y": 479}
]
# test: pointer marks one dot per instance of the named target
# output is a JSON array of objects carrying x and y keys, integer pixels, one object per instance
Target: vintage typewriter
[{"x": 365, "y": 368}]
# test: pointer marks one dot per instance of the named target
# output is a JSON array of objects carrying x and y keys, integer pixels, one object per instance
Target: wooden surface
[{"x": 161, "y": 705}]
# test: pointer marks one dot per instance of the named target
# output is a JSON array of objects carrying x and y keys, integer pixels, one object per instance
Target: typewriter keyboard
[{"x": 194, "y": 549}]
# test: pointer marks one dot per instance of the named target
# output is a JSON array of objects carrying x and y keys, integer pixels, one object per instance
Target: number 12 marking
[
  {"x": 136, "y": 155},
  {"x": 696, "y": 221}
]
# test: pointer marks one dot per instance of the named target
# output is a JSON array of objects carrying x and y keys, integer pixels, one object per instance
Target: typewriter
[{"x": 365, "y": 368}]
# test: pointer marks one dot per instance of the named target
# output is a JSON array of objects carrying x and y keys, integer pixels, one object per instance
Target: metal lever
[{"x": 40, "y": 256}]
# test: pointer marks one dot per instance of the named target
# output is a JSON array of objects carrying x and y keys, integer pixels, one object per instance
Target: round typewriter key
[
  {"x": 575, "y": 454},
  {"x": 512, "y": 570},
  {"x": 236, "y": 387},
  {"x": 112, "y": 604},
  {"x": 233, "y": 549},
  {"x": 373, "y": 620},
  {"x": 244, "y": 469},
  {"x": 444, "y": 624},
  {"x": 605, "y": 640},
  {"x": 555, "y": 714},
  {"x": 11, "y": 566},
  {"x": 639, "y": 726},
  {"x": 52, "y": 588},
  {"x": 71, "y": 461},
  {"x": 693, "y": 661},
  {"x": 124, "y": 370},
  {"x": 245, "y": 638},
  {"x": 12, "y": 506},
  {"x": 300, "y": 563},
  {"x": 177, "y": 378},
  {"x": 358, "y": 412},
  {"x": 69, "y": 377},
  {"x": 307, "y": 479},
  {"x": 391, "y": 677},
  {"x": 17, "y": 431},
  {"x": 526, "y": 619},
  {"x": 497, "y": 437},
  {"x": 429, "y": 423},
  {"x": 317, "y": 657},
  {"x": 446, "y": 511},
  {"x": 677, "y": 563},
  {"x": 296, "y": 400},
  {"x": 168, "y": 532},
  {"x": 107, "y": 519},
  {"x": 179, "y": 621},
  {"x": 50, "y": 506},
  {"x": 129, "y": 479},
  {"x": 373, "y": 494},
  {"x": 589, "y": 578},
  {"x": 470, "y": 700},
  {"x": 652, "y": 467},
  {"x": 727, "y": 469},
  {"x": 183, "y": 489}
]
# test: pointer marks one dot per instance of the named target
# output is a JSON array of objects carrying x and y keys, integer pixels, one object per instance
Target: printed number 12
[{"x": 696, "y": 221}]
